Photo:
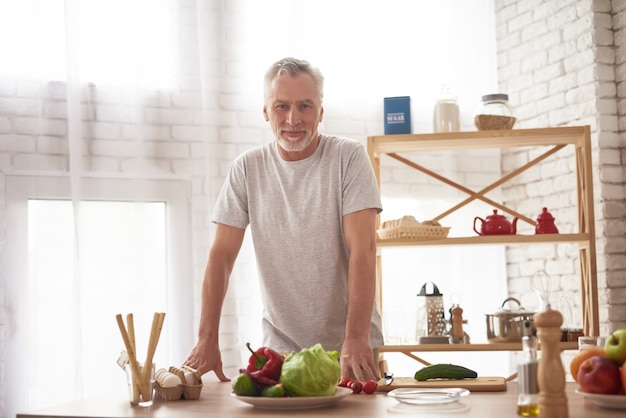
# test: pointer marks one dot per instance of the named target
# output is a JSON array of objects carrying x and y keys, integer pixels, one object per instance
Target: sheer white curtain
[
  {"x": 107, "y": 188},
  {"x": 120, "y": 118}
]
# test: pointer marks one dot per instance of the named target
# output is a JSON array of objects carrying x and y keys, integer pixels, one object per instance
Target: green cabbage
[{"x": 311, "y": 372}]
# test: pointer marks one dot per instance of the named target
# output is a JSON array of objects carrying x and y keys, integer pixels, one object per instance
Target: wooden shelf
[
  {"x": 410, "y": 350},
  {"x": 491, "y": 239},
  {"x": 387, "y": 144},
  {"x": 464, "y": 347},
  {"x": 551, "y": 141}
]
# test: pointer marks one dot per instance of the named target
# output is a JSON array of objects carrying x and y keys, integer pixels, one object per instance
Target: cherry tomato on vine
[
  {"x": 345, "y": 382},
  {"x": 356, "y": 387}
]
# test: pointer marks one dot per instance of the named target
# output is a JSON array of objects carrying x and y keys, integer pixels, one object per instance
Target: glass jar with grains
[{"x": 494, "y": 113}]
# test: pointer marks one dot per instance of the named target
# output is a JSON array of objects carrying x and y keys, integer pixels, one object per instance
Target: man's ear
[
  {"x": 265, "y": 115},
  {"x": 321, "y": 114}
]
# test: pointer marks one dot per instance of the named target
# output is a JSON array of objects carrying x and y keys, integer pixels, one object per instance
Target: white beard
[{"x": 294, "y": 146}]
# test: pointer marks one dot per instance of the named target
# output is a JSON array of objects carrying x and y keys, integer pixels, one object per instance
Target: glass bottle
[
  {"x": 494, "y": 113},
  {"x": 528, "y": 389},
  {"x": 446, "y": 114}
]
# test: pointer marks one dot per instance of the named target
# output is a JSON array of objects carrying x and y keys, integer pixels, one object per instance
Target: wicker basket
[{"x": 409, "y": 228}]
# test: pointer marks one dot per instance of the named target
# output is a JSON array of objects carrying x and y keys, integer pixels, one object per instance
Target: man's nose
[{"x": 293, "y": 117}]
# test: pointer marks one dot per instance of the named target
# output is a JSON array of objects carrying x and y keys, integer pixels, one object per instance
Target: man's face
[{"x": 294, "y": 110}]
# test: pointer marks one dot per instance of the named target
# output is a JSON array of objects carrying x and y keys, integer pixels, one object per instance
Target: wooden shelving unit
[{"x": 553, "y": 140}]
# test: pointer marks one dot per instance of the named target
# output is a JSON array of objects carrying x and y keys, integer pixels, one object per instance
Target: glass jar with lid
[
  {"x": 494, "y": 113},
  {"x": 446, "y": 114}
]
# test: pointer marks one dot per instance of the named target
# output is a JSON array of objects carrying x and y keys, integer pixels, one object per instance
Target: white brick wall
[
  {"x": 562, "y": 63},
  {"x": 572, "y": 78}
]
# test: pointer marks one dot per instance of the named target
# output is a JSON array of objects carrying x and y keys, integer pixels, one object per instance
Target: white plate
[
  {"x": 606, "y": 401},
  {"x": 295, "y": 402},
  {"x": 424, "y": 396}
]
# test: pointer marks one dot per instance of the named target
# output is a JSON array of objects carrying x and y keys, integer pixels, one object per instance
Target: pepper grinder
[
  {"x": 458, "y": 335},
  {"x": 550, "y": 374}
]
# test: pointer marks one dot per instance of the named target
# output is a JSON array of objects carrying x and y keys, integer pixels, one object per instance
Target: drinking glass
[{"x": 140, "y": 386}]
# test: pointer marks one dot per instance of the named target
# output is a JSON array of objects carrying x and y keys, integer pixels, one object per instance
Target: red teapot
[
  {"x": 496, "y": 224},
  {"x": 545, "y": 223}
]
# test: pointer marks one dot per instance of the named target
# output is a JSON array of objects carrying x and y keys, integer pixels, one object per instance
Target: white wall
[{"x": 562, "y": 64}]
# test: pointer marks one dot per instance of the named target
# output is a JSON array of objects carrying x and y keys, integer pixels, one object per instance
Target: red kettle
[
  {"x": 545, "y": 223},
  {"x": 496, "y": 224}
]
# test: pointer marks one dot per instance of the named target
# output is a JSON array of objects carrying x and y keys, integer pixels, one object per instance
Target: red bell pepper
[{"x": 265, "y": 362}]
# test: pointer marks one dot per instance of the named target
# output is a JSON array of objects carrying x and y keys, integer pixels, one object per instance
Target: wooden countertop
[{"x": 216, "y": 400}]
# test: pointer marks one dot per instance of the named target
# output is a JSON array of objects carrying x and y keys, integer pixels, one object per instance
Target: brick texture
[{"x": 577, "y": 83}]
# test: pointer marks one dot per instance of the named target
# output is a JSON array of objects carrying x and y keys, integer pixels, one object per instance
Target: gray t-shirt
[{"x": 295, "y": 209}]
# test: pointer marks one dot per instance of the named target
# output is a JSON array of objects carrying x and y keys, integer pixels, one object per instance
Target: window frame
[{"x": 21, "y": 188}]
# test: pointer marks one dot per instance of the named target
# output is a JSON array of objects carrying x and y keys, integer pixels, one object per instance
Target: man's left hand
[{"x": 357, "y": 360}]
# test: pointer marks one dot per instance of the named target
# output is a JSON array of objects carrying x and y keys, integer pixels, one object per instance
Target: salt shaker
[{"x": 551, "y": 374}]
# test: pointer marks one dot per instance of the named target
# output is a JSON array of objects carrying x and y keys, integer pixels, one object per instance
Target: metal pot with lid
[{"x": 507, "y": 324}]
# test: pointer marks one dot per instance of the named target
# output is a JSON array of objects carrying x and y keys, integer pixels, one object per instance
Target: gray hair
[{"x": 293, "y": 67}]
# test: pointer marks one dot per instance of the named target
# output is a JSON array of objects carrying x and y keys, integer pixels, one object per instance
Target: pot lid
[
  {"x": 496, "y": 215},
  {"x": 506, "y": 310},
  {"x": 545, "y": 215}
]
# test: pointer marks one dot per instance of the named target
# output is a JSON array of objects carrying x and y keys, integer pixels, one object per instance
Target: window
[
  {"x": 130, "y": 258},
  {"x": 97, "y": 41},
  {"x": 122, "y": 269}
]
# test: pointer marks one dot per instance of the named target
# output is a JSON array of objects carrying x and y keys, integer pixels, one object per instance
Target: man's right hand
[{"x": 206, "y": 357}]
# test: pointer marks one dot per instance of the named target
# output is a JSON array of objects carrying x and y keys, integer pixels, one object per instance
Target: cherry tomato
[
  {"x": 345, "y": 382},
  {"x": 370, "y": 386},
  {"x": 356, "y": 387}
]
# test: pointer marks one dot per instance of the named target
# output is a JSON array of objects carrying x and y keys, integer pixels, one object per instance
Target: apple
[
  {"x": 599, "y": 375},
  {"x": 623, "y": 370},
  {"x": 615, "y": 346}
]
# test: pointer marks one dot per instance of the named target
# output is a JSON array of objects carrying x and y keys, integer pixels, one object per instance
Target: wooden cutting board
[{"x": 479, "y": 384}]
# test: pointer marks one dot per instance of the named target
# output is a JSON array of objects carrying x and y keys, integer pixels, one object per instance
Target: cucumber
[
  {"x": 276, "y": 391},
  {"x": 444, "y": 371}
]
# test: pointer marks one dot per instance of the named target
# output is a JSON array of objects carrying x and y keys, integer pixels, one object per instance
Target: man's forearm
[
  {"x": 214, "y": 286},
  {"x": 361, "y": 294},
  {"x": 219, "y": 266}
]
